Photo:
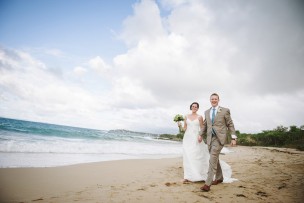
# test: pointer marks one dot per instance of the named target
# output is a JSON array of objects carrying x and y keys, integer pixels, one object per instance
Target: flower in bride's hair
[{"x": 178, "y": 118}]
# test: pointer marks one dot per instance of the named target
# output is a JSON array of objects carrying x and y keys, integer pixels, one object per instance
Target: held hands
[
  {"x": 199, "y": 139},
  {"x": 233, "y": 140},
  {"x": 233, "y": 143}
]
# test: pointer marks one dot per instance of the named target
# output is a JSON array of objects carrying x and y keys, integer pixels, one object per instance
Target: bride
[{"x": 196, "y": 155}]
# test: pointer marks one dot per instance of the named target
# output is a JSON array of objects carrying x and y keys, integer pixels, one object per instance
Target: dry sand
[{"x": 264, "y": 174}]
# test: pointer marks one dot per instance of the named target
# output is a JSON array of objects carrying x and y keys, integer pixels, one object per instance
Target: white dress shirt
[{"x": 211, "y": 111}]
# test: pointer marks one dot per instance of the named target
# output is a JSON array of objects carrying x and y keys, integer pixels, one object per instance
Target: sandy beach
[{"x": 264, "y": 175}]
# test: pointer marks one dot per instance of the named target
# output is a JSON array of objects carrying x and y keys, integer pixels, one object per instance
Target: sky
[{"x": 135, "y": 64}]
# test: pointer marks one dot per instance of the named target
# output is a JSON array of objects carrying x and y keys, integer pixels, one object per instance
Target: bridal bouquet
[{"x": 178, "y": 118}]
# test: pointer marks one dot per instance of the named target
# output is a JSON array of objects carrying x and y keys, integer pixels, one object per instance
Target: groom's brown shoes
[
  {"x": 205, "y": 188},
  {"x": 215, "y": 182}
]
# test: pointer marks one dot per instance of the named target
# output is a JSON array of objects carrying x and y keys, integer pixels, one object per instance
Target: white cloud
[
  {"x": 131, "y": 95},
  {"x": 98, "y": 64},
  {"x": 207, "y": 48},
  {"x": 145, "y": 24},
  {"x": 30, "y": 91},
  {"x": 249, "y": 52},
  {"x": 79, "y": 71},
  {"x": 182, "y": 60}
]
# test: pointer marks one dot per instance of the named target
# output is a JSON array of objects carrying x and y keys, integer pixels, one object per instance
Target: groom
[{"x": 217, "y": 122}]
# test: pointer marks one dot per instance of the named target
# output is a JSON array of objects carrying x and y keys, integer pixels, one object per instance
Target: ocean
[{"x": 33, "y": 144}]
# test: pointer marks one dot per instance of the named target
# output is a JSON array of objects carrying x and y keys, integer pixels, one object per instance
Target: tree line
[{"x": 291, "y": 137}]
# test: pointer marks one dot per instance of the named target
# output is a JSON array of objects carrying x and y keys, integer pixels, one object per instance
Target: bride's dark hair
[{"x": 194, "y": 103}]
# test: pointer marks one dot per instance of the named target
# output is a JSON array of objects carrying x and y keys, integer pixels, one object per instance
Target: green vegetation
[
  {"x": 292, "y": 137},
  {"x": 177, "y": 137}
]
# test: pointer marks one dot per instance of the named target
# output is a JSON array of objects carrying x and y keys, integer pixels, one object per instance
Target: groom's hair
[
  {"x": 214, "y": 94},
  {"x": 194, "y": 103}
]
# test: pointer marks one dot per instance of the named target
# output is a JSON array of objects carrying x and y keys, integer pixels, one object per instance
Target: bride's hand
[{"x": 199, "y": 139}]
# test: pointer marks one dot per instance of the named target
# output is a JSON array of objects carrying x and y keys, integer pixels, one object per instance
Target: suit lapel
[{"x": 208, "y": 115}]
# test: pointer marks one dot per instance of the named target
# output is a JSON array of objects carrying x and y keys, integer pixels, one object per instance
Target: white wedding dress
[{"x": 196, "y": 156}]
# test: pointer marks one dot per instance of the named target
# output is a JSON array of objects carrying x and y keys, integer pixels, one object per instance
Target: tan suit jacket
[{"x": 222, "y": 124}]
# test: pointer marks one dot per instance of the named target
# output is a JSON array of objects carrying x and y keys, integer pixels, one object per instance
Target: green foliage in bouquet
[{"x": 178, "y": 118}]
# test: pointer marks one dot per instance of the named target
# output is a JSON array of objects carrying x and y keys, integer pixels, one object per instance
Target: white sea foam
[
  {"x": 43, "y": 145},
  {"x": 13, "y": 160},
  {"x": 45, "y": 151},
  {"x": 89, "y": 147}
]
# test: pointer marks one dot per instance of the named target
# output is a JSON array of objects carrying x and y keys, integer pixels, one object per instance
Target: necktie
[{"x": 213, "y": 115}]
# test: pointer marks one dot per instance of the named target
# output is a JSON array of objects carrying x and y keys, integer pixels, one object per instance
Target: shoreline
[
  {"x": 51, "y": 160},
  {"x": 264, "y": 175}
]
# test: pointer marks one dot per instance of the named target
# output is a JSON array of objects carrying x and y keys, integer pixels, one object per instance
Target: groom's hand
[{"x": 199, "y": 139}]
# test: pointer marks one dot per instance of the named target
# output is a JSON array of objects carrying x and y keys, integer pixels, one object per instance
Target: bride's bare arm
[{"x": 185, "y": 125}]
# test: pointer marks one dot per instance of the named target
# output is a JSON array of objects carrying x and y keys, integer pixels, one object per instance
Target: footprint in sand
[
  {"x": 263, "y": 194},
  {"x": 209, "y": 198},
  {"x": 169, "y": 184},
  {"x": 240, "y": 195},
  {"x": 283, "y": 185},
  {"x": 37, "y": 199}
]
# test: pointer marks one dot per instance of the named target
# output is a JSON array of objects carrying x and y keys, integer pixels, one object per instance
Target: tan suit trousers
[{"x": 215, "y": 148}]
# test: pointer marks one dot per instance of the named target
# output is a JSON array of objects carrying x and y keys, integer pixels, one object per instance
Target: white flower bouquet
[{"x": 178, "y": 118}]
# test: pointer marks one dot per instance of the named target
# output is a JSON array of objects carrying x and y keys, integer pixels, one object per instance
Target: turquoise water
[{"x": 33, "y": 144}]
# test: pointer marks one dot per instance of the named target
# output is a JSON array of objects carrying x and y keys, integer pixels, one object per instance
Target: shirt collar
[{"x": 216, "y": 108}]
